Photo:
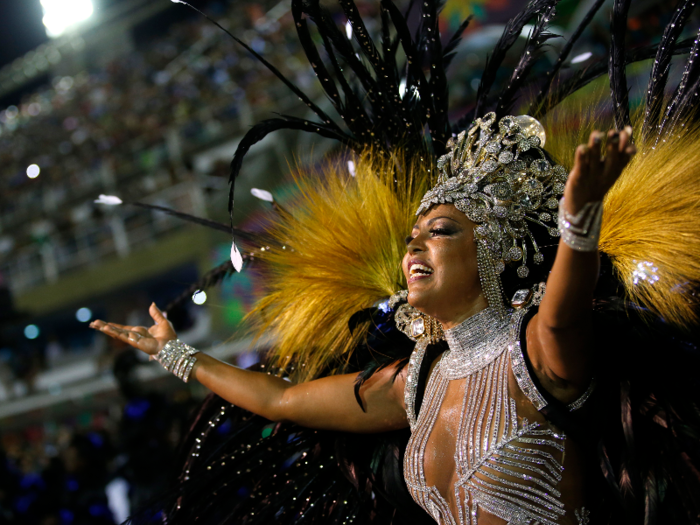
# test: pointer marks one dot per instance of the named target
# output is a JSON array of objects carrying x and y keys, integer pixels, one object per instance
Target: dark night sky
[{"x": 21, "y": 29}]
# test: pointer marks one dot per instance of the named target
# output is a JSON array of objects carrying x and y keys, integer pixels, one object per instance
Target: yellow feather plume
[
  {"x": 651, "y": 227},
  {"x": 343, "y": 241},
  {"x": 343, "y": 237},
  {"x": 651, "y": 216}
]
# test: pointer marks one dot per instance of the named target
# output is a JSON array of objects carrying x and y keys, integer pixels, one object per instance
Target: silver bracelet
[
  {"x": 178, "y": 358},
  {"x": 581, "y": 231}
]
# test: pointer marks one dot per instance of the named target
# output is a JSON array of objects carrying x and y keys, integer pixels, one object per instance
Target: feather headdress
[
  {"x": 338, "y": 248},
  {"x": 342, "y": 245},
  {"x": 388, "y": 106}
]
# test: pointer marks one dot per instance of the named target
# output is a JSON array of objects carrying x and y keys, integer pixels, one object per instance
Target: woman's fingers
[
  {"x": 141, "y": 330},
  {"x": 138, "y": 338},
  {"x": 619, "y": 151},
  {"x": 156, "y": 314},
  {"x": 124, "y": 326},
  {"x": 625, "y": 138},
  {"x": 581, "y": 159}
]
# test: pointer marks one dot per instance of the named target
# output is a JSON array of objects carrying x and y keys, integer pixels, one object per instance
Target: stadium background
[{"x": 147, "y": 100}]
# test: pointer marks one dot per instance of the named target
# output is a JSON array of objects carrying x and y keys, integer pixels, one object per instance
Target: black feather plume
[
  {"x": 298, "y": 92},
  {"x": 538, "y": 36},
  {"x": 660, "y": 69},
  {"x": 651, "y": 500},
  {"x": 214, "y": 225},
  {"x": 617, "y": 64},
  {"x": 563, "y": 55},
  {"x": 437, "y": 119},
  {"x": 264, "y": 128},
  {"x": 598, "y": 68},
  {"x": 510, "y": 35},
  {"x": 449, "y": 51},
  {"x": 681, "y": 103}
]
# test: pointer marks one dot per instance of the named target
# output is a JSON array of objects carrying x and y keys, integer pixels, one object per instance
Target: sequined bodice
[{"x": 503, "y": 464}]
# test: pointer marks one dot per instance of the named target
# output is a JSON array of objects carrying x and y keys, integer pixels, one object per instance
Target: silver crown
[{"x": 487, "y": 177}]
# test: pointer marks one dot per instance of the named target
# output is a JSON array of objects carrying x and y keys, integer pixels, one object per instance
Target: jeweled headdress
[{"x": 501, "y": 179}]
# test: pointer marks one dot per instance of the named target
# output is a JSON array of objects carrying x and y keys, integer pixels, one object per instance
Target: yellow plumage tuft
[
  {"x": 343, "y": 237},
  {"x": 651, "y": 227},
  {"x": 651, "y": 216},
  {"x": 343, "y": 241}
]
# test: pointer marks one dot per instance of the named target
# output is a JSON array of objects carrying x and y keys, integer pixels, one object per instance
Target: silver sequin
[{"x": 505, "y": 465}]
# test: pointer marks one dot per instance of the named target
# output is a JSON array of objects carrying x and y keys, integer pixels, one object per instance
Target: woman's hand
[
  {"x": 149, "y": 340},
  {"x": 594, "y": 174}
]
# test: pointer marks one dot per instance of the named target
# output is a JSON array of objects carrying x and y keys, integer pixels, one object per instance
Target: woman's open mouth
[{"x": 418, "y": 270}]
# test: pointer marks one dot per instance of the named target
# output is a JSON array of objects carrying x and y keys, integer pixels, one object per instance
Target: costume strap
[
  {"x": 557, "y": 412},
  {"x": 412, "y": 379}
]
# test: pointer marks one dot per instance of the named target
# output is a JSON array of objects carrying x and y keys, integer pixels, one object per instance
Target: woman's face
[{"x": 440, "y": 266}]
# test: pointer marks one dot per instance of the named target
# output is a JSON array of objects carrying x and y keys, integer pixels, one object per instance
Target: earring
[{"x": 415, "y": 324}]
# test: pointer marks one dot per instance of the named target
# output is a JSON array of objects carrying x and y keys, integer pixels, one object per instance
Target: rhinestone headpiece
[{"x": 485, "y": 175}]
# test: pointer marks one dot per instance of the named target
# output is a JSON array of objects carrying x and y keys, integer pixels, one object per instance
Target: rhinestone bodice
[{"x": 501, "y": 464}]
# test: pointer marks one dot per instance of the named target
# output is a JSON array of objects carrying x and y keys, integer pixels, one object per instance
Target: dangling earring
[
  {"x": 415, "y": 324},
  {"x": 490, "y": 280}
]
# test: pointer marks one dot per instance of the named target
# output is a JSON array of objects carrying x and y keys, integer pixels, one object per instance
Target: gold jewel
[{"x": 415, "y": 324}]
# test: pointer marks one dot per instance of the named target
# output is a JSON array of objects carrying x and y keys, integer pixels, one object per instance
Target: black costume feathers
[{"x": 646, "y": 456}]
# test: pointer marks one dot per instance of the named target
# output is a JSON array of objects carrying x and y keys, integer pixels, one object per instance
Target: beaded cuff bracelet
[
  {"x": 178, "y": 358},
  {"x": 581, "y": 231}
]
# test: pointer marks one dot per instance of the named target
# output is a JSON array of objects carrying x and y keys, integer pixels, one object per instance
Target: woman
[
  {"x": 495, "y": 436},
  {"x": 480, "y": 452}
]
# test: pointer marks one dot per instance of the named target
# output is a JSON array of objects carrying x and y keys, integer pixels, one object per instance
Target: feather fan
[
  {"x": 650, "y": 229},
  {"x": 651, "y": 216},
  {"x": 343, "y": 244}
]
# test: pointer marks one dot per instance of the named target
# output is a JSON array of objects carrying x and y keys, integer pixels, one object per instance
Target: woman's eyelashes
[
  {"x": 433, "y": 232},
  {"x": 441, "y": 231}
]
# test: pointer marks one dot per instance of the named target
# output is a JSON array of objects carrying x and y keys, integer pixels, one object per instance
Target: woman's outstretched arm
[
  {"x": 327, "y": 403},
  {"x": 559, "y": 337}
]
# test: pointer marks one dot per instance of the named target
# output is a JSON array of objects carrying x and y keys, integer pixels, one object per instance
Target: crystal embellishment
[
  {"x": 505, "y": 465},
  {"x": 521, "y": 297},
  {"x": 417, "y": 327}
]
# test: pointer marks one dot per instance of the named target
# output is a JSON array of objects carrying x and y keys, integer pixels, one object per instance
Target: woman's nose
[{"x": 415, "y": 245}]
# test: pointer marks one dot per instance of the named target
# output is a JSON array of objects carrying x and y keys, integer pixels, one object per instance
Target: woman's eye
[{"x": 440, "y": 231}]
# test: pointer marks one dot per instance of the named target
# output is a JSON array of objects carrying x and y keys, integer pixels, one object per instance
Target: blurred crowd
[
  {"x": 136, "y": 116},
  {"x": 97, "y": 467}
]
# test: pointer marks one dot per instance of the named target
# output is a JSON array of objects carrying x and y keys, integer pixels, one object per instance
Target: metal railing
[{"x": 117, "y": 233}]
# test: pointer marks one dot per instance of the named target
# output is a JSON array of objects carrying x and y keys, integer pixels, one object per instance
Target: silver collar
[{"x": 475, "y": 343}]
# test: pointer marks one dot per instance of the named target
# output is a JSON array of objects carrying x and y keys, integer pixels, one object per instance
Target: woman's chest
[{"x": 479, "y": 447}]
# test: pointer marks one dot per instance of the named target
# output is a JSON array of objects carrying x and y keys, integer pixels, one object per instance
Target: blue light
[
  {"x": 31, "y": 331},
  {"x": 83, "y": 315}
]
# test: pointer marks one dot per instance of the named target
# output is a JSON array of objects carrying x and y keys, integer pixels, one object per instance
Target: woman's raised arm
[
  {"x": 327, "y": 403},
  {"x": 559, "y": 336}
]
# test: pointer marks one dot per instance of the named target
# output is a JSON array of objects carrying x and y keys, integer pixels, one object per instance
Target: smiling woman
[
  {"x": 440, "y": 266},
  {"x": 478, "y": 392},
  {"x": 485, "y": 395}
]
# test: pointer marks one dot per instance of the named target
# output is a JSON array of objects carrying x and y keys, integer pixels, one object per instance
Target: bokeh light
[
  {"x": 83, "y": 315},
  {"x": 199, "y": 297},
  {"x": 33, "y": 171},
  {"x": 31, "y": 331},
  {"x": 62, "y": 15}
]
